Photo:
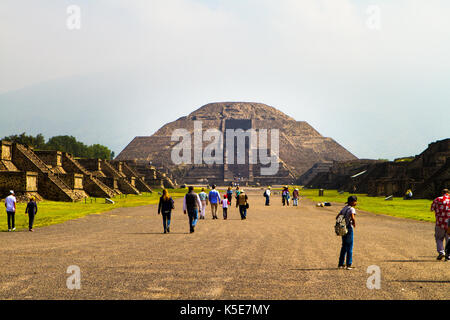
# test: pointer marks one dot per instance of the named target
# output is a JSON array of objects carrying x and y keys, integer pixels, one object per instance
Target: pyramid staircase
[
  {"x": 124, "y": 185},
  {"x": 140, "y": 183},
  {"x": 93, "y": 185},
  {"x": 50, "y": 186}
]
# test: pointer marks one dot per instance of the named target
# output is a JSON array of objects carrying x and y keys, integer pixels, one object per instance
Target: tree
[
  {"x": 37, "y": 142},
  {"x": 99, "y": 151},
  {"x": 63, "y": 143}
]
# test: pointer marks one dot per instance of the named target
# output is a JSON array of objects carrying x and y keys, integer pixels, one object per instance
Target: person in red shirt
[{"x": 441, "y": 208}]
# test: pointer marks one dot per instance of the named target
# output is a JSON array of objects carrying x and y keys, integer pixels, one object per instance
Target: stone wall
[
  {"x": 426, "y": 175},
  {"x": 52, "y": 159},
  {"x": 20, "y": 182}
]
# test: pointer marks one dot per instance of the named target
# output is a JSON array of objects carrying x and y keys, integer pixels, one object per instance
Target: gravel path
[{"x": 277, "y": 253}]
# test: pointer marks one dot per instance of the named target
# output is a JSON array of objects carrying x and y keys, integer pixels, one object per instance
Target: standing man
[
  {"x": 214, "y": 199},
  {"x": 441, "y": 208},
  {"x": 349, "y": 213},
  {"x": 242, "y": 203},
  {"x": 31, "y": 210},
  {"x": 204, "y": 199},
  {"x": 267, "y": 196},
  {"x": 10, "y": 204},
  {"x": 191, "y": 205}
]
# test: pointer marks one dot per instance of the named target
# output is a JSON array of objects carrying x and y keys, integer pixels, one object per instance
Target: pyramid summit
[{"x": 300, "y": 146}]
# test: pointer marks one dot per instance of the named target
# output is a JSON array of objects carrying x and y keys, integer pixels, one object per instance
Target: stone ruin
[
  {"x": 56, "y": 175},
  {"x": 425, "y": 174},
  {"x": 300, "y": 146}
]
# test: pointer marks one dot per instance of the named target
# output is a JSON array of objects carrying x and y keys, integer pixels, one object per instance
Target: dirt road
[{"x": 277, "y": 253}]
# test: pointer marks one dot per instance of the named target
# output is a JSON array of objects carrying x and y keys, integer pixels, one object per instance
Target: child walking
[
  {"x": 225, "y": 206},
  {"x": 349, "y": 213}
]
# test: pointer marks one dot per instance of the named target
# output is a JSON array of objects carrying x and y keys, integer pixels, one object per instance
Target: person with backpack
[
  {"x": 242, "y": 203},
  {"x": 31, "y": 210},
  {"x": 214, "y": 199},
  {"x": 191, "y": 206},
  {"x": 267, "y": 196},
  {"x": 345, "y": 223},
  {"x": 166, "y": 205}
]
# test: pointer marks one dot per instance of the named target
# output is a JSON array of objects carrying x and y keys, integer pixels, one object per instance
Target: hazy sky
[{"x": 137, "y": 64}]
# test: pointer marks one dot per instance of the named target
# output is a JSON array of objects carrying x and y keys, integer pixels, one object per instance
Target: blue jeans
[
  {"x": 267, "y": 200},
  {"x": 193, "y": 217},
  {"x": 347, "y": 248},
  {"x": 243, "y": 211}
]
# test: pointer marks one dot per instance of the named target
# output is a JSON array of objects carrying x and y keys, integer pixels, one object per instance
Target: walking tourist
[
  {"x": 166, "y": 205},
  {"x": 229, "y": 195},
  {"x": 225, "y": 205},
  {"x": 242, "y": 203},
  {"x": 204, "y": 199},
  {"x": 267, "y": 196},
  {"x": 295, "y": 195},
  {"x": 191, "y": 206},
  {"x": 10, "y": 204},
  {"x": 237, "y": 192},
  {"x": 31, "y": 210},
  {"x": 349, "y": 213},
  {"x": 285, "y": 196},
  {"x": 214, "y": 199},
  {"x": 441, "y": 208}
]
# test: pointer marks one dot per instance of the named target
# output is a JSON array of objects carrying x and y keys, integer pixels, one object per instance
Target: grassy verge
[
  {"x": 53, "y": 212},
  {"x": 412, "y": 209}
]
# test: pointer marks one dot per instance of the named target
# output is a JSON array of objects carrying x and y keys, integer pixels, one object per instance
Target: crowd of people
[{"x": 194, "y": 203}]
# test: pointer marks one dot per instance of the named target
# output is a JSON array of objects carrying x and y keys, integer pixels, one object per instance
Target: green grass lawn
[
  {"x": 412, "y": 209},
  {"x": 53, "y": 212}
]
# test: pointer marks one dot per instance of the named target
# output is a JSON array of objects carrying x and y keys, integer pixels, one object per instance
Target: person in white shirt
[
  {"x": 225, "y": 206},
  {"x": 10, "y": 204},
  {"x": 267, "y": 196}
]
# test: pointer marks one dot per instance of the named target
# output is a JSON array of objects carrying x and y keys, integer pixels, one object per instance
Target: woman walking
[
  {"x": 229, "y": 195},
  {"x": 166, "y": 205},
  {"x": 31, "y": 210}
]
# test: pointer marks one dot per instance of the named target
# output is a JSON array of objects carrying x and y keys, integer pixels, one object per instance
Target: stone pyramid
[{"x": 300, "y": 145}]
